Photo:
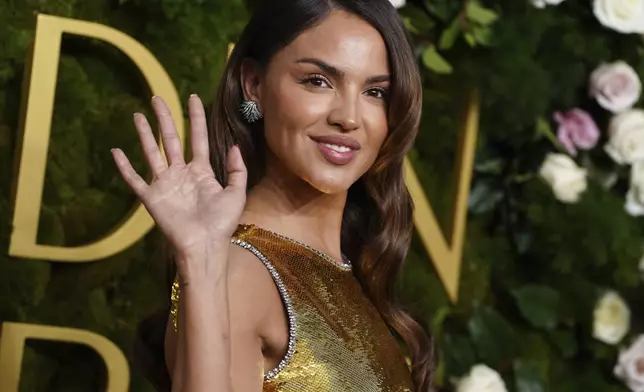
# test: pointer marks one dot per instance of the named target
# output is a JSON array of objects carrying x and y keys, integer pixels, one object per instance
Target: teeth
[{"x": 337, "y": 148}]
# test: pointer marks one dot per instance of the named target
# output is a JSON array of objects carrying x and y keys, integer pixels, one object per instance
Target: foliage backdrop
[{"x": 533, "y": 266}]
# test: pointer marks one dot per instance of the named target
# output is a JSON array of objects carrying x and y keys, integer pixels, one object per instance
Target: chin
[{"x": 329, "y": 186}]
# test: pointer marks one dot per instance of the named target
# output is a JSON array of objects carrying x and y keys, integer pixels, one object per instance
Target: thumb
[{"x": 236, "y": 169}]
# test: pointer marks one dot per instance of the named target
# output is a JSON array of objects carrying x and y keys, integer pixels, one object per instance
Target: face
[{"x": 324, "y": 101}]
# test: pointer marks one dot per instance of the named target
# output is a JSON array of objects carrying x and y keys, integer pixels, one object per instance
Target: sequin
[{"x": 337, "y": 340}]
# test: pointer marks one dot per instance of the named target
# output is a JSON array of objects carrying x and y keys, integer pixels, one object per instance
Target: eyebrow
[{"x": 330, "y": 69}]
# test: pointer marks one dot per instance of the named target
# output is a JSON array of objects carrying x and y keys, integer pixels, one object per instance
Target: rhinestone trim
[
  {"x": 287, "y": 303},
  {"x": 345, "y": 265}
]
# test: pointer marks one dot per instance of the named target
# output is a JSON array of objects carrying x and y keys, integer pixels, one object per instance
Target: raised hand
[{"x": 186, "y": 201}]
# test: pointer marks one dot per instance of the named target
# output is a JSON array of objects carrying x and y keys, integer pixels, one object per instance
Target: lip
[
  {"x": 333, "y": 156},
  {"x": 338, "y": 140}
]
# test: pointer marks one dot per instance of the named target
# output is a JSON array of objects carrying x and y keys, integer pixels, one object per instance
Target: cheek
[
  {"x": 377, "y": 128},
  {"x": 289, "y": 106}
]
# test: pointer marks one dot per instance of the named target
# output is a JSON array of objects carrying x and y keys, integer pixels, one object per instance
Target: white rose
[
  {"x": 635, "y": 197},
  {"x": 616, "y": 86},
  {"x": 481, "y": 379},
  {"x": 611, "y": 318},
  {"x": 397, "y": 3},
  {"x": 626, "y": 137},
  {"x": 630, "y": 365},
  {"x": 625, "y": 16},
  {"x": 544, "y": 3},
  {"x": 567, "y": 180}
]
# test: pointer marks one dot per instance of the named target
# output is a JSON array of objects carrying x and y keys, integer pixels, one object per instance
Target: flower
[
  {"x": 635, "y": 196},
  {"x": 615, "y": 86},
  {"x": 577, "y": 129},
  {"x": 626, "y": 137},
  {"x": 481, "y": 379},
  {"x": 624, "y": 16},
  {"x": 630, "y": 365},
  {"x": 567, "y": 180},
  {"x": 611, "y": 318},
  {"x": 397, "y": 3},
  {"x": 544, "y": 3}
]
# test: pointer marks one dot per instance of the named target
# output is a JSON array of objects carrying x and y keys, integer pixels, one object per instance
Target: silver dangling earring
[{"x": 250, "y": 111}]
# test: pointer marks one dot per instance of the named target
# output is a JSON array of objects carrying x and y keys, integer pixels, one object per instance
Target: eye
[
  {"x": 378, "y": 93},
  {"x": 317, "y": 81}
]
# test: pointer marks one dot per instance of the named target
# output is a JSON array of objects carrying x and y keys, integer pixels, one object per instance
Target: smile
[{"x": 337, "y": 149}]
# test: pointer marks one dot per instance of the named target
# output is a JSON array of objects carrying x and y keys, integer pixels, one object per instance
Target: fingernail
[
  {"x": 154, "y": 97},
  {"x": 193, "y": 95}
]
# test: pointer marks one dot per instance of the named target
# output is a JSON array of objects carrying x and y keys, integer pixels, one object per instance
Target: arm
[
  {"x": 204, "y": 336},
  {"x": 197, "y": 215},
  {"x": 248, "y": 287}
]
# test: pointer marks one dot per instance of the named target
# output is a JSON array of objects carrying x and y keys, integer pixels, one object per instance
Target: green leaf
[
  {"x": 440, "y": 10},
  {"x": 450, "y": 34},
  {"x": 470, "y": 39},
  {"x": 479, "y": 14},
  {"x": 439, "y": 318},
  {"x": 458, "y": 354},
  {"x": 538, "y": 305},
  {"x": 410, "y": 25},
  {"x": 483, "y": 35},
  {"x": 493, "y": 337},
  {"x": 527, "y": 376},
  {"x": 484, "y": 196},
  {"x": 435, "y": 62},
  {"x": 416, "y": 20},
  {"x": 565, "y": 342}
]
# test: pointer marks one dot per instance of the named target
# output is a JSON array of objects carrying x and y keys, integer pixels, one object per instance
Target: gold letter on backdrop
[
  {"x": 37, "y": 129},
  {"x": 12, "y": 343},
  {"x": 446, "y": 254}
]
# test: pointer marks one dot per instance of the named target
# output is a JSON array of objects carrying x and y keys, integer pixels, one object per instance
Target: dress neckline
[{"x": 344, "y": 264}]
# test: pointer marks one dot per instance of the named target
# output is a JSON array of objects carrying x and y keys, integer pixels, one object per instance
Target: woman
[{"x": 286, "y": 263}]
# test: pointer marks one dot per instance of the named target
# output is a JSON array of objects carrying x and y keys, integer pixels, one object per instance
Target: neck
[{"x": 287, "y": 205}]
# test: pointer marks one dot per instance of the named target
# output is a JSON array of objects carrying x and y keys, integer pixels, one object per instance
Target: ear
[{"x": 251, "y": 80}]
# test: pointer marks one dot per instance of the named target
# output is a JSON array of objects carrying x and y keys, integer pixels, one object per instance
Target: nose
[{"x": 346, "y": 113}]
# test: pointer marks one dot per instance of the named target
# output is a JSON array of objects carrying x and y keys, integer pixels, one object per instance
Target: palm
[
  {"x": 190, "y": 194},
  {"x": 185, "y": 199}
]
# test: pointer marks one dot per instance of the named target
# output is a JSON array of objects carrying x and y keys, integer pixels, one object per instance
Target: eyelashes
[
  {"x": 320, "y": 81},
  {"x": 382, "y": 91},
  {"x": 317, "y": 80}
]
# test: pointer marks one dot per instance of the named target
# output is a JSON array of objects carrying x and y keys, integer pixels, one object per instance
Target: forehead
[{"x": 342, "y": 40}]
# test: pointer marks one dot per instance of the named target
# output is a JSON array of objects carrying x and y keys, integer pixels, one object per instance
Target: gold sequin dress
[{"x": 338, "y": 341}]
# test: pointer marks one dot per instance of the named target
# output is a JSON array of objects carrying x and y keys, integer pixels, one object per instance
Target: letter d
[{"x": 37, "y": 129}]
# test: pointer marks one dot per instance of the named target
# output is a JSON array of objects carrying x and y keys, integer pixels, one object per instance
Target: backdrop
[{"x": 550, "y": 285}]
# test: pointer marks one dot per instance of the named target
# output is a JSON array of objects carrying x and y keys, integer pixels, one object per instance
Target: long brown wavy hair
[{"x": 377, "y": 221}]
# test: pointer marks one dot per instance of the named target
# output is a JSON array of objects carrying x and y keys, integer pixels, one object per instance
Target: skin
[
  {"x": 332, "y": 79},
  {"x": 301, "y": 189}
]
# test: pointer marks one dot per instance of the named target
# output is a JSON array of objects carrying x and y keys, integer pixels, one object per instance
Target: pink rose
[
  {"x": 615, "y": 86},
  {"x": 630, "y": 365},
  {"x": 577, "y": 129}
]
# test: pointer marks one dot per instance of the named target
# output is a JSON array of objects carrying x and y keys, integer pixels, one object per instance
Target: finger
[
  {"x": 236, "y": 169},
  {"x": 198, "y": 130},
  {"x": 149, "y": 144},
  {"x": 171, "y": 142},
  {"x": 131, "y": 177}
]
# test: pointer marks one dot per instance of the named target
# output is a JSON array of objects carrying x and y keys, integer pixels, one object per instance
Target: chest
[{"x": 337, "y": 340}]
